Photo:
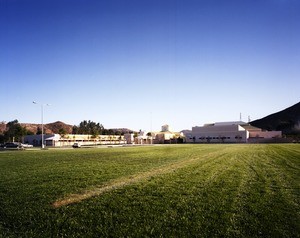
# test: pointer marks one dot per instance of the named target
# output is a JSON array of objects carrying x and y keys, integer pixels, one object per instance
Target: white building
[
  {"x": 229, "y": 132},
  {"x": 56, "y": 140}
]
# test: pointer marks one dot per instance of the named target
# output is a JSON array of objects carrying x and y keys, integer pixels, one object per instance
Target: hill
[
  {"x": 56, "y": 126},
  {"x": 49, "y": 128},
  {"x": 287, "y": 121}
]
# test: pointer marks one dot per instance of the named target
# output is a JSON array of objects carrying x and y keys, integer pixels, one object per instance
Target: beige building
[
  {"x": 258, "y": 135},
  {"x": 229, "y": 132},
  {"x": 165, "y": 136}
]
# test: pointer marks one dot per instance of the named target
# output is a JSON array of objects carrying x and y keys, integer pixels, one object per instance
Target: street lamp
[{"x": 42, "y": 118}]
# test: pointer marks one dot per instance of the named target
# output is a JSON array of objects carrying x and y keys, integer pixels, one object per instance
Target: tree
[
  {"x": 88, "y": 127},
  {"x": 2, "y": 138},
  {"x": 14, "y": 131},
  {"x": 149, "y": 134},
  {"x": 38, "y": 131},
  {"x": 75, "y": 130},
  {"x": 62, "y": 131},
  {"x": 28, "y": 132}
]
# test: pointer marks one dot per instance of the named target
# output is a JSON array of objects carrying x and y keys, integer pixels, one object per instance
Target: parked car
[
  {"x": 26, "y": 145},
  {"x": 76, "y": 145},
  {"x": 13, "y": 145}
]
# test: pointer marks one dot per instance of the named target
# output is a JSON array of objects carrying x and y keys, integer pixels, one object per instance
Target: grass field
[{"x": 161, "y": 191}]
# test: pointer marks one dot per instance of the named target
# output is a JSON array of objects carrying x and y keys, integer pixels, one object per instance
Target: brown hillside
[
  {"x": 50, "y": 128},
  {"x": 56, "y": 126},
  {"x": 31, "y": 127}
]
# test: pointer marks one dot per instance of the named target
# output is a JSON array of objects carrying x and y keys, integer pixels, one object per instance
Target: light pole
[{"x": 42, "y": 118}]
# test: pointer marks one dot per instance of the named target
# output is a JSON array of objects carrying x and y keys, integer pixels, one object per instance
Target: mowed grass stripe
[
  {"x": 141, "y": 177},
  {"x": 189, "y": 200}
]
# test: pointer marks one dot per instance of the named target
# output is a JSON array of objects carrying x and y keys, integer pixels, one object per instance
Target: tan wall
[
  {"x": 266, "y": 134},
  {"x": 211, "y": 129},
  {"x": 218, "y": 137}
]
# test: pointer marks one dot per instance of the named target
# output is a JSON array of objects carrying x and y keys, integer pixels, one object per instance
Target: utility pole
[{"x": 42, "y": 120}]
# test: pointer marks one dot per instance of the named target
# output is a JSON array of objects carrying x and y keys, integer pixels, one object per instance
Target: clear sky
[{"x": 144, "y": 63}]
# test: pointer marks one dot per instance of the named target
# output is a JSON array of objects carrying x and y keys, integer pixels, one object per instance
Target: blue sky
[{"x": 144, "y": 63}]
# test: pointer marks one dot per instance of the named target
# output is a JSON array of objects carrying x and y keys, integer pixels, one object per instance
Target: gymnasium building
[{"x": 230, "y": 132}]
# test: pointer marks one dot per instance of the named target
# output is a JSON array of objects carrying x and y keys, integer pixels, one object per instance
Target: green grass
[{"x": 171, "y": 191}]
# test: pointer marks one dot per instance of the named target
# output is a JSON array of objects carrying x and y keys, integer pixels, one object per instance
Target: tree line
[
  {"x": 15, "y": 131},
  {"x": 92, "y": 128}
]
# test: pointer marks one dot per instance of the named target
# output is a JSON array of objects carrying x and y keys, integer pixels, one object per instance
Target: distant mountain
[
  {"x": 55, "y": 127},
  {"x": 287, "y": 121},
  {"x": 50, "y": 128}
]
